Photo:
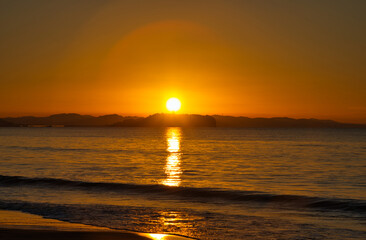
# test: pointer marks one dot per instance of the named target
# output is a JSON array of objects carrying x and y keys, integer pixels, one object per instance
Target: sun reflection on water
[
  {"x": 156, "y": 236},
  {"x": 172, "y": 167}
]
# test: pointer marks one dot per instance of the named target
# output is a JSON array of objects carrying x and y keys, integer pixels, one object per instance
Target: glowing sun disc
[{"x": 173, "y": 104}]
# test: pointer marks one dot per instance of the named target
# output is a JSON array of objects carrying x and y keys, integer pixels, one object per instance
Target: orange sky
[{"x": 235, "y": 57}]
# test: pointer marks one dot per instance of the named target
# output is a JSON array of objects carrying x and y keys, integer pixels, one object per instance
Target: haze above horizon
[{"x": 298, "y": 59}]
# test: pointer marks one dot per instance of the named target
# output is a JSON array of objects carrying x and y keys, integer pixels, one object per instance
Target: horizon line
[{"x": 216, "y": 114}]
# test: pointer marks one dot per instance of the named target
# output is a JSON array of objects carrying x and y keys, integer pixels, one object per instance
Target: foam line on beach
[{"x": 18, "y": 225}]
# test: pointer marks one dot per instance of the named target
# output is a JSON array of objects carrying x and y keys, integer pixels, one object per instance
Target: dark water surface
[{"x": 205, "y": 183}]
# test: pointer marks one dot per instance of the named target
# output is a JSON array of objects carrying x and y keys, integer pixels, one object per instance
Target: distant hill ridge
[
  {"x": 67, "y": 119},
  {"x": 280, "y": 122},
  {"x": 4, "y": 123},
  {"x": 170, "y": 120}
]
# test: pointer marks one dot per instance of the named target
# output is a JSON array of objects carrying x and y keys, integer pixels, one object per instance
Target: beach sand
[{"x": 17, "y": 225}]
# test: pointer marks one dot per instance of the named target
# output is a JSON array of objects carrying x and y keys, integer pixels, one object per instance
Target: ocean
[{"x": 205, "y": 183}]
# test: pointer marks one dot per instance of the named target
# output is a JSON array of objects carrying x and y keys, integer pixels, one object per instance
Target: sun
[{"x": 173, "y": 104}]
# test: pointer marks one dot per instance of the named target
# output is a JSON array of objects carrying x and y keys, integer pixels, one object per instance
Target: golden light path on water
[
  {"x": 172, "y": 167},
  {"x": 156, "y": 236}
]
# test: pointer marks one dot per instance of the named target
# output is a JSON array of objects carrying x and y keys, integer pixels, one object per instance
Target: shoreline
[{"x": 16, "y": 225}]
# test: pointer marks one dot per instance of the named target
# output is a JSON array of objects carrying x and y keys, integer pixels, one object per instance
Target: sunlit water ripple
[{"x": 206, "y": 183}]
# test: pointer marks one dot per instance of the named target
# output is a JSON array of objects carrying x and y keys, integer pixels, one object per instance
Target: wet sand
[{"x": 18, "y": 226}]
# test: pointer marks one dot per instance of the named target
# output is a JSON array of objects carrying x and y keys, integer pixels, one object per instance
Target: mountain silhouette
[
  {"x": 278, "y": 122},
  {"x": 4, "y": 123},
  {"x": 67, "y": 119},
  {"x": 171, "y": 120}
]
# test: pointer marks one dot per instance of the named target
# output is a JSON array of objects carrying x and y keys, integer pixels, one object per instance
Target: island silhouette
[{"x": 169, "y": 120}]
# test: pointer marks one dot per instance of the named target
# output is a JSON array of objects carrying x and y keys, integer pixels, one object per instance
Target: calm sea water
[{"x": 204, "y": 183}]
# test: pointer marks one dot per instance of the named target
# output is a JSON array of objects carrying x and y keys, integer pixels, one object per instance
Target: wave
[
  {"x": 310, "y": 145},
  {"x": 55, "y": 149},
  {"x": 47, "y": 148},
  {"x": 134, "y": 218},
  {"x": 195, "y": 194}
]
